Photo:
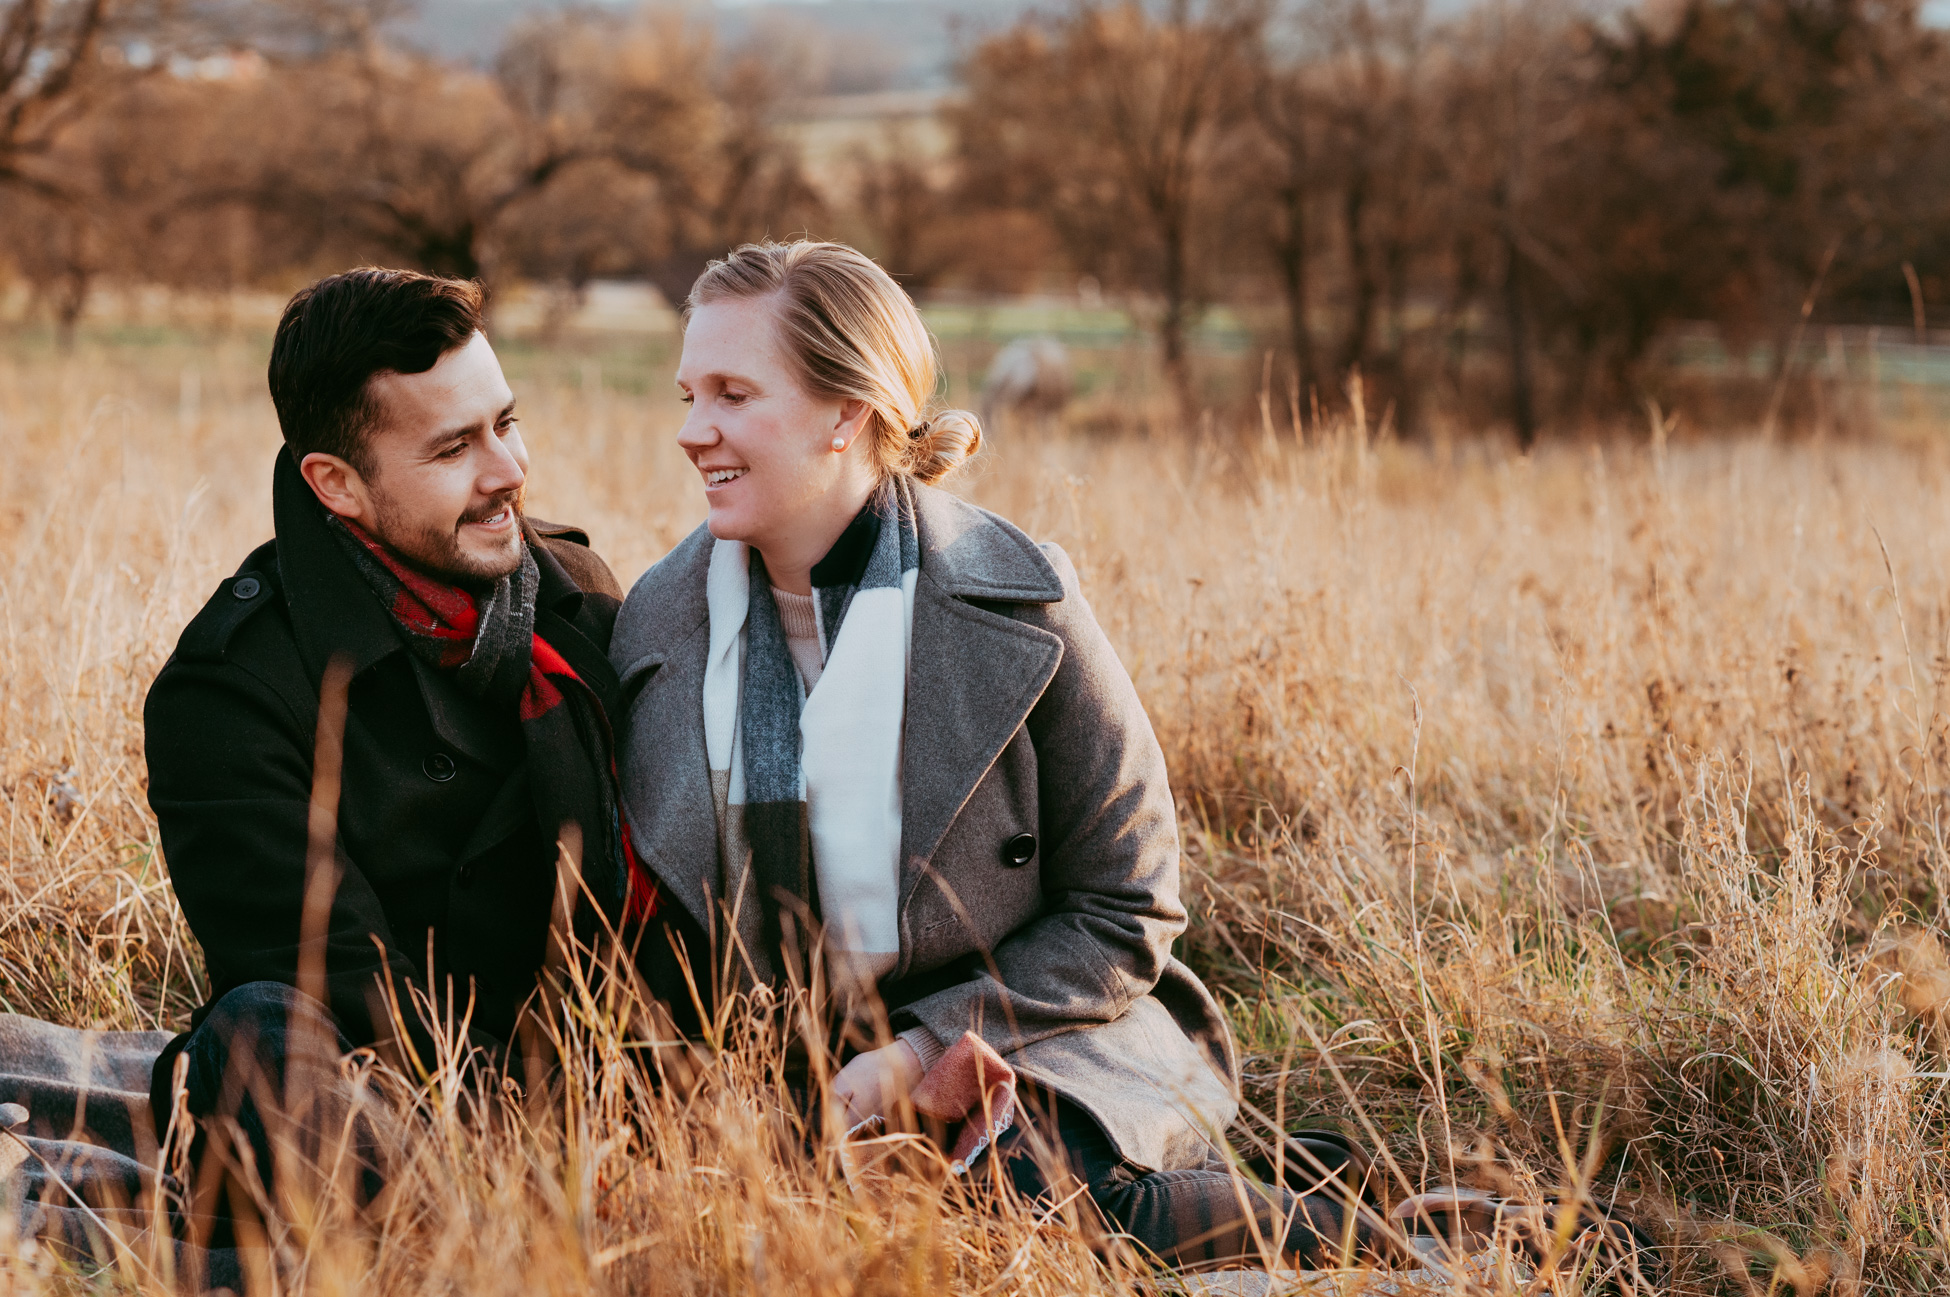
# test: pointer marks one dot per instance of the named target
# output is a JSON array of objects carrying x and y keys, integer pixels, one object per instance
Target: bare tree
[
  {"x": 1506, "y": 105},
  {"x": 704, "y": 131},
  {"x": 51, "y": 70},
  {"x": 401, "y": 156},
  {"x": 1366, "y": 73},
  {"x": 905, "y": 202},
  {"x": 1109, "y": 122},
  {"x": 1564, "y": 186},
  {"x": 67, "y": 76},
  {"x": 1287, "y": 179}
]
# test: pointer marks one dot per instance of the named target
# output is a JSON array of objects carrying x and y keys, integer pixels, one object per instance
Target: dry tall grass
[{"x": 1571, "y": 819}]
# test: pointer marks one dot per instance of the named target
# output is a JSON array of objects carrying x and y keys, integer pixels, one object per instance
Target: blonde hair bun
[
  {"x": 942, "y": 443},
  {"x": 854, "y": 335}
]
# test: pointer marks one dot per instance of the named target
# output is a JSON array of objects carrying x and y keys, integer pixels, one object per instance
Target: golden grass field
[{"x": 1571, "y": 823}]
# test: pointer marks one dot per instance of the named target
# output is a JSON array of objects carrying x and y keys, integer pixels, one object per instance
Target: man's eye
[{"x": 454, "y": 451}]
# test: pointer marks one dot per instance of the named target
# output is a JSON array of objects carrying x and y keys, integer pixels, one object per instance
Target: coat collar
[
  {"x": 659, "y": 646},
  {"x": 665, "y": 608},
  {"x": 333, "y": 610},
  {"x": 974, "y": 675},
  {"x": 970, "y": 553}
]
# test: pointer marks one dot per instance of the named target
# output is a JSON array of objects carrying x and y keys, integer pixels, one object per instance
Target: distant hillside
[{"x": 848, "y": 46}]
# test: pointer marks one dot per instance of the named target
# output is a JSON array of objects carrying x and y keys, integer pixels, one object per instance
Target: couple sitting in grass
[{"x": 853, "y": 744}]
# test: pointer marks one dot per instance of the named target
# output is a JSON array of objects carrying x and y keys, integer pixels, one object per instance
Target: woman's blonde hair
[{"x": 855, "y": 335}]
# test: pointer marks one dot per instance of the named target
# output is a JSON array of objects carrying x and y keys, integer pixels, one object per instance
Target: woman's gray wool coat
[{"x": 1020, "y": 720}]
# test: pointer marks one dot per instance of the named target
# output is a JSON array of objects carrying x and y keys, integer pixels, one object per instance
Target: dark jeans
[
  {"x": 1190, "y": 1219},
  {"x": 263, "y": 1081}
]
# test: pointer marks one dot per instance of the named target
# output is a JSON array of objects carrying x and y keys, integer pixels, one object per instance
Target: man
[{"x": 475, "y": 721}]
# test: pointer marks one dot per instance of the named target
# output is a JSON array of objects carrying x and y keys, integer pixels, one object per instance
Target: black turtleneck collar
[{"x": 845, "y": 563}]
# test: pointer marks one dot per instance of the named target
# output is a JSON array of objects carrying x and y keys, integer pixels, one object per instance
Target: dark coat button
[
  {"x": 1019, "y": 850},
  {"x": 246, "y": 588},
  {"x": 439, "y": 767}
]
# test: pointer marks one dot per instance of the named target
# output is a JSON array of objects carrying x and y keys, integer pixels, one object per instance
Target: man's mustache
[{"x": 481, "y": 513}]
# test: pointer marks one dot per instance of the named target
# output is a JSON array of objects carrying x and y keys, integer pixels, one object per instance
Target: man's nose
[{"x": 501, "y": 472}]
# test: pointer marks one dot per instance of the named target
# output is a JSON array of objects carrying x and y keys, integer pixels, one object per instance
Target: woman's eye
[
  {"x": 736, "y": 398},
  {"x": 687, "y": 398}
]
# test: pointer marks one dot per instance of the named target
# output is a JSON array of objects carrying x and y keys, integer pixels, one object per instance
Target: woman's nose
[{"x": 697, "y": 432}]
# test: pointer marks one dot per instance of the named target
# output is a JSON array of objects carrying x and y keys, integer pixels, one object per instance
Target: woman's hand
[{"x": 874, "y": 1082}]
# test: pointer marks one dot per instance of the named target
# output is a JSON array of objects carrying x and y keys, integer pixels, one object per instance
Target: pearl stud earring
[{"x": 839, "y": 443}]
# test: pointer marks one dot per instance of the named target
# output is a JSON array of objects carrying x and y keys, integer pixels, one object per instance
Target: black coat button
[
  {"x": 439, "y": 767},
  {"x": 1019, "y": 850},
  {"x": 246, "y": 588}
]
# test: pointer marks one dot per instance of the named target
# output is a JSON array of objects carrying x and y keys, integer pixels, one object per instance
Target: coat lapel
[
  {"x": 662, "y": 636},
  {"x": 974, "y": 673}
]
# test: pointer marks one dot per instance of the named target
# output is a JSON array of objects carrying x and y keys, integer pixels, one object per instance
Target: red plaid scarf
[{"x": 563, "y": 726}]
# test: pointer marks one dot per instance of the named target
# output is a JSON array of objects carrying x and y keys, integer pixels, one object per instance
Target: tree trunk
[
  {"x": 1523, "y": 404},
  {"x": 1292, "y": 255},
  {"x": 455, "y": 252},
  {"x": 1171, "y": 326},
  {"x": 70, "y": 300},
  {"x": 1396, "y": 259},
  {"x": 1354, "y": 216},
  {"x": 677, "y": 271},
  {"x": 1454, "y": 325}
]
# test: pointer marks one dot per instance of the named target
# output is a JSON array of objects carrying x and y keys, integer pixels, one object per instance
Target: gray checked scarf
[{"x": 808, "y": 787}]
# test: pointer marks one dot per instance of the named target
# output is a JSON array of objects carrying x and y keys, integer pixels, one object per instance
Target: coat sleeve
[
  {"x": 1109, "y": 848},
  {"x": 230, "y": 772}
]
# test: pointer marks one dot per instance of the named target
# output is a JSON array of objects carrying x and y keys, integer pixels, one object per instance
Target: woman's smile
[{"x": 717, "y": 477}]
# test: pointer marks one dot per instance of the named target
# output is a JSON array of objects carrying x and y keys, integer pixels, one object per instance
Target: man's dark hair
[{"x": 344, "y": 329}]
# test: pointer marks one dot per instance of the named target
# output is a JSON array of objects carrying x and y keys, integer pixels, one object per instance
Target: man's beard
[{"x": 437, "y": 552}]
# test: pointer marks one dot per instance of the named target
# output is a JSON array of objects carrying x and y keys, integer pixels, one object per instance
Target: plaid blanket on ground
[{"x": 88, "y": 1127}]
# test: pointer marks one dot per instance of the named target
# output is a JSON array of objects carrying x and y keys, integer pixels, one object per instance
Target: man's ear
[{"x": 337, "y": 485}]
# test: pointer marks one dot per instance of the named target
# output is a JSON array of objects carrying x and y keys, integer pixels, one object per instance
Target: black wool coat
[{"x": 446, "y": 875}]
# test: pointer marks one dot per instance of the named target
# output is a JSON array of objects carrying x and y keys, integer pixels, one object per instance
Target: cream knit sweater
[{"x": 800, "y": 622}]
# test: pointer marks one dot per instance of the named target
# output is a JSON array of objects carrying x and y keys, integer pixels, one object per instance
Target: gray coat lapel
[
  {"x": 662, "y": 636},
  {"x": 973, "y": 673}
]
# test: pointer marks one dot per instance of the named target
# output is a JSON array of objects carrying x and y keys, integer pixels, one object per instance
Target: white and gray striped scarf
[{"x": 808, "y": 789}]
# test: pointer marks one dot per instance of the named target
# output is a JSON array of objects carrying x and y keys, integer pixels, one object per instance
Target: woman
[{"x": 872, "y": 718}]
